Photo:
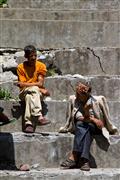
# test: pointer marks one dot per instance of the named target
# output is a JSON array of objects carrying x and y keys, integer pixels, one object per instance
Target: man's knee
[
  {"x": 27, "y": 97},
  {"x": 33, "y": 89}
]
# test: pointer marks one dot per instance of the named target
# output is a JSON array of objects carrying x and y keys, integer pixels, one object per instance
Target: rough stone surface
[
  {"x": 84, "y": 61},
  {"x": 55, "y": 111},
  {"x": 63, "y": 86},
  {"x": 61, "y": 24},
  {"x": 88, "y": 61},
  {"x": 50, "y": 149},
  {"x": 59, "y": 34},
  {"x": 65, "y": 4},
  {"x": 56, "y": 173},
  {"x": 71, "y": 15}
]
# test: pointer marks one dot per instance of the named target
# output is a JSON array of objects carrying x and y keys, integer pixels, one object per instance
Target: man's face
[
  {"x": 82, "y": 92},
  {"x": 83, "y": 96},
  {"x": 32, "y": 58}
]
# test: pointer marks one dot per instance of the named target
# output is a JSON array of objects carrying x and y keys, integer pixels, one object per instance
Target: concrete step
[
  {"x": 59, "y": 34},
  {"x": 56, "y": 111},
  {"x": 65, "y": 4},
  {"x": 49, "y": 150},
  {"x": 84, "y": 61},
  {"x": 53, "y": 173},
  {"x": 70, "y": 15},
  {"x": 88, "y": 61},
  {"x": 61, "y": 87}
]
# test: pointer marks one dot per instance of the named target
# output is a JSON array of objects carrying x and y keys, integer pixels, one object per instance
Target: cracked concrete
[
  {"x": 99, "y": 60},
  {"x": 83, "y": 61}
]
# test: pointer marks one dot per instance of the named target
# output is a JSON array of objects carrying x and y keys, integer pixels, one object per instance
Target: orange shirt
[{"x": 30, "y": 73}]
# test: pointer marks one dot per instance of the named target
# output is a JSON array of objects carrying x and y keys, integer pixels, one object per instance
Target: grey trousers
[{"x": 83, "y": 138}]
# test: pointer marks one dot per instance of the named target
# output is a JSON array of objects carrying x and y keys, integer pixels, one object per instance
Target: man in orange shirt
[{"x": 31, "y": 75}]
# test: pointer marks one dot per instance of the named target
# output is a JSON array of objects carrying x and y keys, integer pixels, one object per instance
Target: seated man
[
  {"x": 31, "y": 75},
  {"x": 89, "y": 115}
]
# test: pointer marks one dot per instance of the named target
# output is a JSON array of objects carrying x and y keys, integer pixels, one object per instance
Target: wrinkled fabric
[
  {"x": 83, "y": 138},
  {"x": 101, "y": 111},
  {"x": 32, "y": 97}
]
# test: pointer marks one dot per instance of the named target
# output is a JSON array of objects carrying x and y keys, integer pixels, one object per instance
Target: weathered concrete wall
[
  {"x": 88, "y": 61},
  {"x": 49, "y": 150},
  {"x": 65, "y": 4},
  {"x": 58, "y": 34},
  {"x": 55, "y": 111},
  {"x": 71, "y": 15},
  {"x": 62, "y": 86},
  {"x": 60, "y": 24},
  {"x": 83, "y": 61}
]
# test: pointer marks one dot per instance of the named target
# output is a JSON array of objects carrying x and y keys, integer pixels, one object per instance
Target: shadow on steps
[{"x": 7, "y": 155}]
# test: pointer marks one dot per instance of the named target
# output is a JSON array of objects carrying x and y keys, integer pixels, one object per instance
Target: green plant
[
  {"x": 3, "y": 2},
  {"x": 51, "y": 72},
  {"x": 5, "y": 94}
]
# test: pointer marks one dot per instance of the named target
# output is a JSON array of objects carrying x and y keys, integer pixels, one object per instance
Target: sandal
[
  {"x": 29, "y": 128},
  {"x": 68, "y": 164},
  {"x": 43, "y": 121}
]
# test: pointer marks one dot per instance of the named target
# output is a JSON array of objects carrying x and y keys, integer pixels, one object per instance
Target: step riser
[
  {"x": 56, "y": 113},
  {"x": 50, "y": 151},
  {"x": 72, "y": 15},
  {"x": 87, "y": 61},
  {"x": 60, "y": 87},
  {"x": 54, "y": 34},
  {"x": 82, "y": 61},
  {"x": 65, "y": 4},
  {"x": 41, "y": 150}
]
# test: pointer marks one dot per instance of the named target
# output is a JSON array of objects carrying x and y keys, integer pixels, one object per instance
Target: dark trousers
[{"x": 83, "y": 138}]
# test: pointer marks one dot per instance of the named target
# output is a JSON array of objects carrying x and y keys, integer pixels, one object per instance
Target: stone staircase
[
  {"x": 84, "y": 35},
  {"x": 56, "y": 24}
]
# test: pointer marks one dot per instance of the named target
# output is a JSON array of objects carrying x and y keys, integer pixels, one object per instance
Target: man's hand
[
  {"x": 86, "y": 108},
  {"x": 16, "y": 83},
  {"x": 45, "y": 92},
  {"x": 99, "y": 123}
]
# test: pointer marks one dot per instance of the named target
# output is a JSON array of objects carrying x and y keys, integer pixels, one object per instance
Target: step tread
[
  {"x": 50, "y": 149},
  {"x": 68, "y": 15},
  {"x": 19, "y": 136},
  {"x": 54, "y": 173},
  {"x": 65, "y": 4}
]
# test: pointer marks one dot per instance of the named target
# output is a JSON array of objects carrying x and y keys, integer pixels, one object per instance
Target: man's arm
[
  {"x": 40, "y": 83},
  {"x": 90, "y": 118},
  {"x": 99, "y": 123}
]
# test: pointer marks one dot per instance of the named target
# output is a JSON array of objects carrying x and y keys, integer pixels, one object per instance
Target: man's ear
[{"x": 25, "y": 55}]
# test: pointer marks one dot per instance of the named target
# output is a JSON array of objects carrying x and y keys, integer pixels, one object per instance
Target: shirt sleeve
[
  {"x": 42, "y": 69},
  {"x": 21, "y": 74}
]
